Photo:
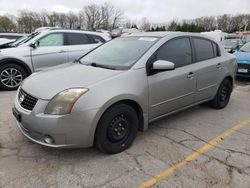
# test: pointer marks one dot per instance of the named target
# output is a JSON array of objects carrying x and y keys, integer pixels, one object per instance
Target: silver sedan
[{"x": 122, "y": 86}]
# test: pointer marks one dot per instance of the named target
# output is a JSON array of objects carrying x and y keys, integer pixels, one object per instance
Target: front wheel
[
  {"x": 117, "y": 129},
  {"x": 11, "y": 76},
  {"x": 223, "y": 95}
]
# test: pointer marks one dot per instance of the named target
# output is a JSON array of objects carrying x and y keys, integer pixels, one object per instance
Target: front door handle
[
  {"x": 190, "y": 75},
  {"x": 218, "y": 66},
  {"x": 61, "y": 51}
]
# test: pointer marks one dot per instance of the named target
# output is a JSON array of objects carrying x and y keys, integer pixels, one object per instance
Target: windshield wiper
[
  {"x": 242, "y": 50},
  {"x": 77, "y": 61},
  {"x": 102, "y": 66}
]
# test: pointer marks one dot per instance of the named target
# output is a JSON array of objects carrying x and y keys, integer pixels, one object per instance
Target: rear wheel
[
  {"x": 117, "y": 129},
  {"x": 223, "y": 95},
  {"x": 11, "y": 76}
]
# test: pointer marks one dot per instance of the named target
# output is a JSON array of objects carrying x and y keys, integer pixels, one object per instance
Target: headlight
[{"x": 63, "y": 102}]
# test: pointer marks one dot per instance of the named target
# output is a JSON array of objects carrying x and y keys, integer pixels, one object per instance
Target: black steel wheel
[
  {"x": 223, "y": 95},
  {"x": 117, "y": 129}
]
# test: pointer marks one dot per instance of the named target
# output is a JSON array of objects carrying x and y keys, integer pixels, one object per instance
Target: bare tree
[
  {"x": 222, "y": 22},
  {"x": 145, "y": 25},
  {"x": 111, "y": 16},
  {"x": 92, "y": 16},
  {"x": 72, "y": 20},
  {"x": 6, "y": 24},
  {"x": 28, "y": 21},
  {"x": 117, "y": 18},
  {"x": 81, "y": 19},
  {"x": 128, "y": 23},
  {"x": 54, "y": 20},
  {"x": 107, "y": 16},
  {"x": 104, "y": 16},
  {"x": 173, "y": 25},
  {"x": 44, "y": 18},
  {"x": 208, "y": 23}
]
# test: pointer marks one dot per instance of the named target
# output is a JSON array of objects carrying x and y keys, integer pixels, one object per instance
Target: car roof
[
  {"x": 105, "y": 36},
  {"x": 12, "y": 34},
  {"x": 72, "y": 31},
  {"x": 162, "y": 34},
  {"x": 150, "y": 34},
  {"x": 170, "y": 34}
]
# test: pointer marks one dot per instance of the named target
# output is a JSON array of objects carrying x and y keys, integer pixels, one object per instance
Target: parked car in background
[
  {"x": 243, "y": 60},
  {"x": 121, "y": 86},
  {"x": 44, "y": 49},
  {"x": 232, "y": 45},
  {"x": 46, "y": 28},
  {"x": 217, "y": 35},
  {"x": 4, "y": 43},
  {"x": 106, "y": 32},
  {"x": 14, "y": 36},
  {"x": 7, "y": 39}
]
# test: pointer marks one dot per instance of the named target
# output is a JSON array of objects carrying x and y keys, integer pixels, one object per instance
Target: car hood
[
  {"x": 13, "y": 51},
  {"x": 46, "y": 84},
  {"x": 230, "y": 46},
  {"x": 243, "y": 56},
  {"x": 6, "y": 41}
]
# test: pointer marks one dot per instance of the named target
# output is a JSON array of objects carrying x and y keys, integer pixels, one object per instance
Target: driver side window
[
  {"x": 54, "y": 39},
  {"x": 177, "y": 51}
]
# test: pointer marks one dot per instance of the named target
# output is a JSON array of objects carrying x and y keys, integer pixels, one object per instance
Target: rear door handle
[
  {"x": 190, "y": 75},
  {"x": 218, "y": 66},
  {"x": 61, "y": 51}
]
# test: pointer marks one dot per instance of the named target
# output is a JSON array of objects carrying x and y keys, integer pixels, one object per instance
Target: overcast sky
[{"x": 155, "y": 10}]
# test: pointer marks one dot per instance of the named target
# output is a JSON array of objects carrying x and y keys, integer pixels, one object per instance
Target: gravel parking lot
[{"x": 158, "y": 156}]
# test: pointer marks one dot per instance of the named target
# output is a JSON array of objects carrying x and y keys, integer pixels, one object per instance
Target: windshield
[
  {"x": 120, "y": 53},
  {"x": 232, "y": 42},
  {"x": 246, "y": 47},
  {"x": 25, "y": 39}
]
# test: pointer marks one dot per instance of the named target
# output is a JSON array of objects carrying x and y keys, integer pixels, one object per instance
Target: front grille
[
  {"x": 26, "y": 101},
  {"x": 244, "y": 66}
]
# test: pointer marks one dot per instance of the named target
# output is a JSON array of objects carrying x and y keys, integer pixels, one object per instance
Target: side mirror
[
  {"x": 34, "y": 45},
  {"x": 163, "y": 65}
]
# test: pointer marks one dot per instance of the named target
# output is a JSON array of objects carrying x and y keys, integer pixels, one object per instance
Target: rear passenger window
[
  {"x": 78, "y": 39},
  {"x": 203, "y": 49},
  {"x": 96, "y": 39},
  {"x": 177, "y": 51}
]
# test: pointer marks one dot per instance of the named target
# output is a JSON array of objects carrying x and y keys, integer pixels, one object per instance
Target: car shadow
[{"x": 242, "y": 81}]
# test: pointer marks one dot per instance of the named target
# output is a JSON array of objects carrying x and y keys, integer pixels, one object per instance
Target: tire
[
  {"x": 11, "y": 76},
  {"x": 116, "y": 129},
  {"x": 223, "y": 95}
]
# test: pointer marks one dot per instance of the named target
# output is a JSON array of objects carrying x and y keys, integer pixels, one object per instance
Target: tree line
[
  {"x": 226, "y": 23},
  {"x": 108, "y": 17},
  {"x": 93, "y": 16}
]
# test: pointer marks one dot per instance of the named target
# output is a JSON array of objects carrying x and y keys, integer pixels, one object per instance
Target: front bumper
[
  {"x": 243, "y": 75},
  {"x": 68, "y": 131},
  {"x": 39, "y": 138},
  {"x": 243, "y": 70}
]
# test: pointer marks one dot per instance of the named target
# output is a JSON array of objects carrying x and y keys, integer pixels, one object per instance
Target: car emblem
[{"x": 21, "y": 98}]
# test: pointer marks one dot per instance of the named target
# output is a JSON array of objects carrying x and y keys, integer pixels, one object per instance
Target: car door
[
  {"x": 208, "y": 68},
  {"x": 175, "y": 89},
  {"x": 50, "y": 51},
  {"x": 78, "y": 44}
]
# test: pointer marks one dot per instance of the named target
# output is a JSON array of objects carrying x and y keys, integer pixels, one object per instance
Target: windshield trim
[{"x": 25, "y": 39}]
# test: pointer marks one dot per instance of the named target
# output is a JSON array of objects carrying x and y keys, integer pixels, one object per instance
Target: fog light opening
[{"x": 48, "y": 139}]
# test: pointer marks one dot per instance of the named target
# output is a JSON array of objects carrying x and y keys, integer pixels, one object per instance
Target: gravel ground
[{"x": 166, "y": 142}]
